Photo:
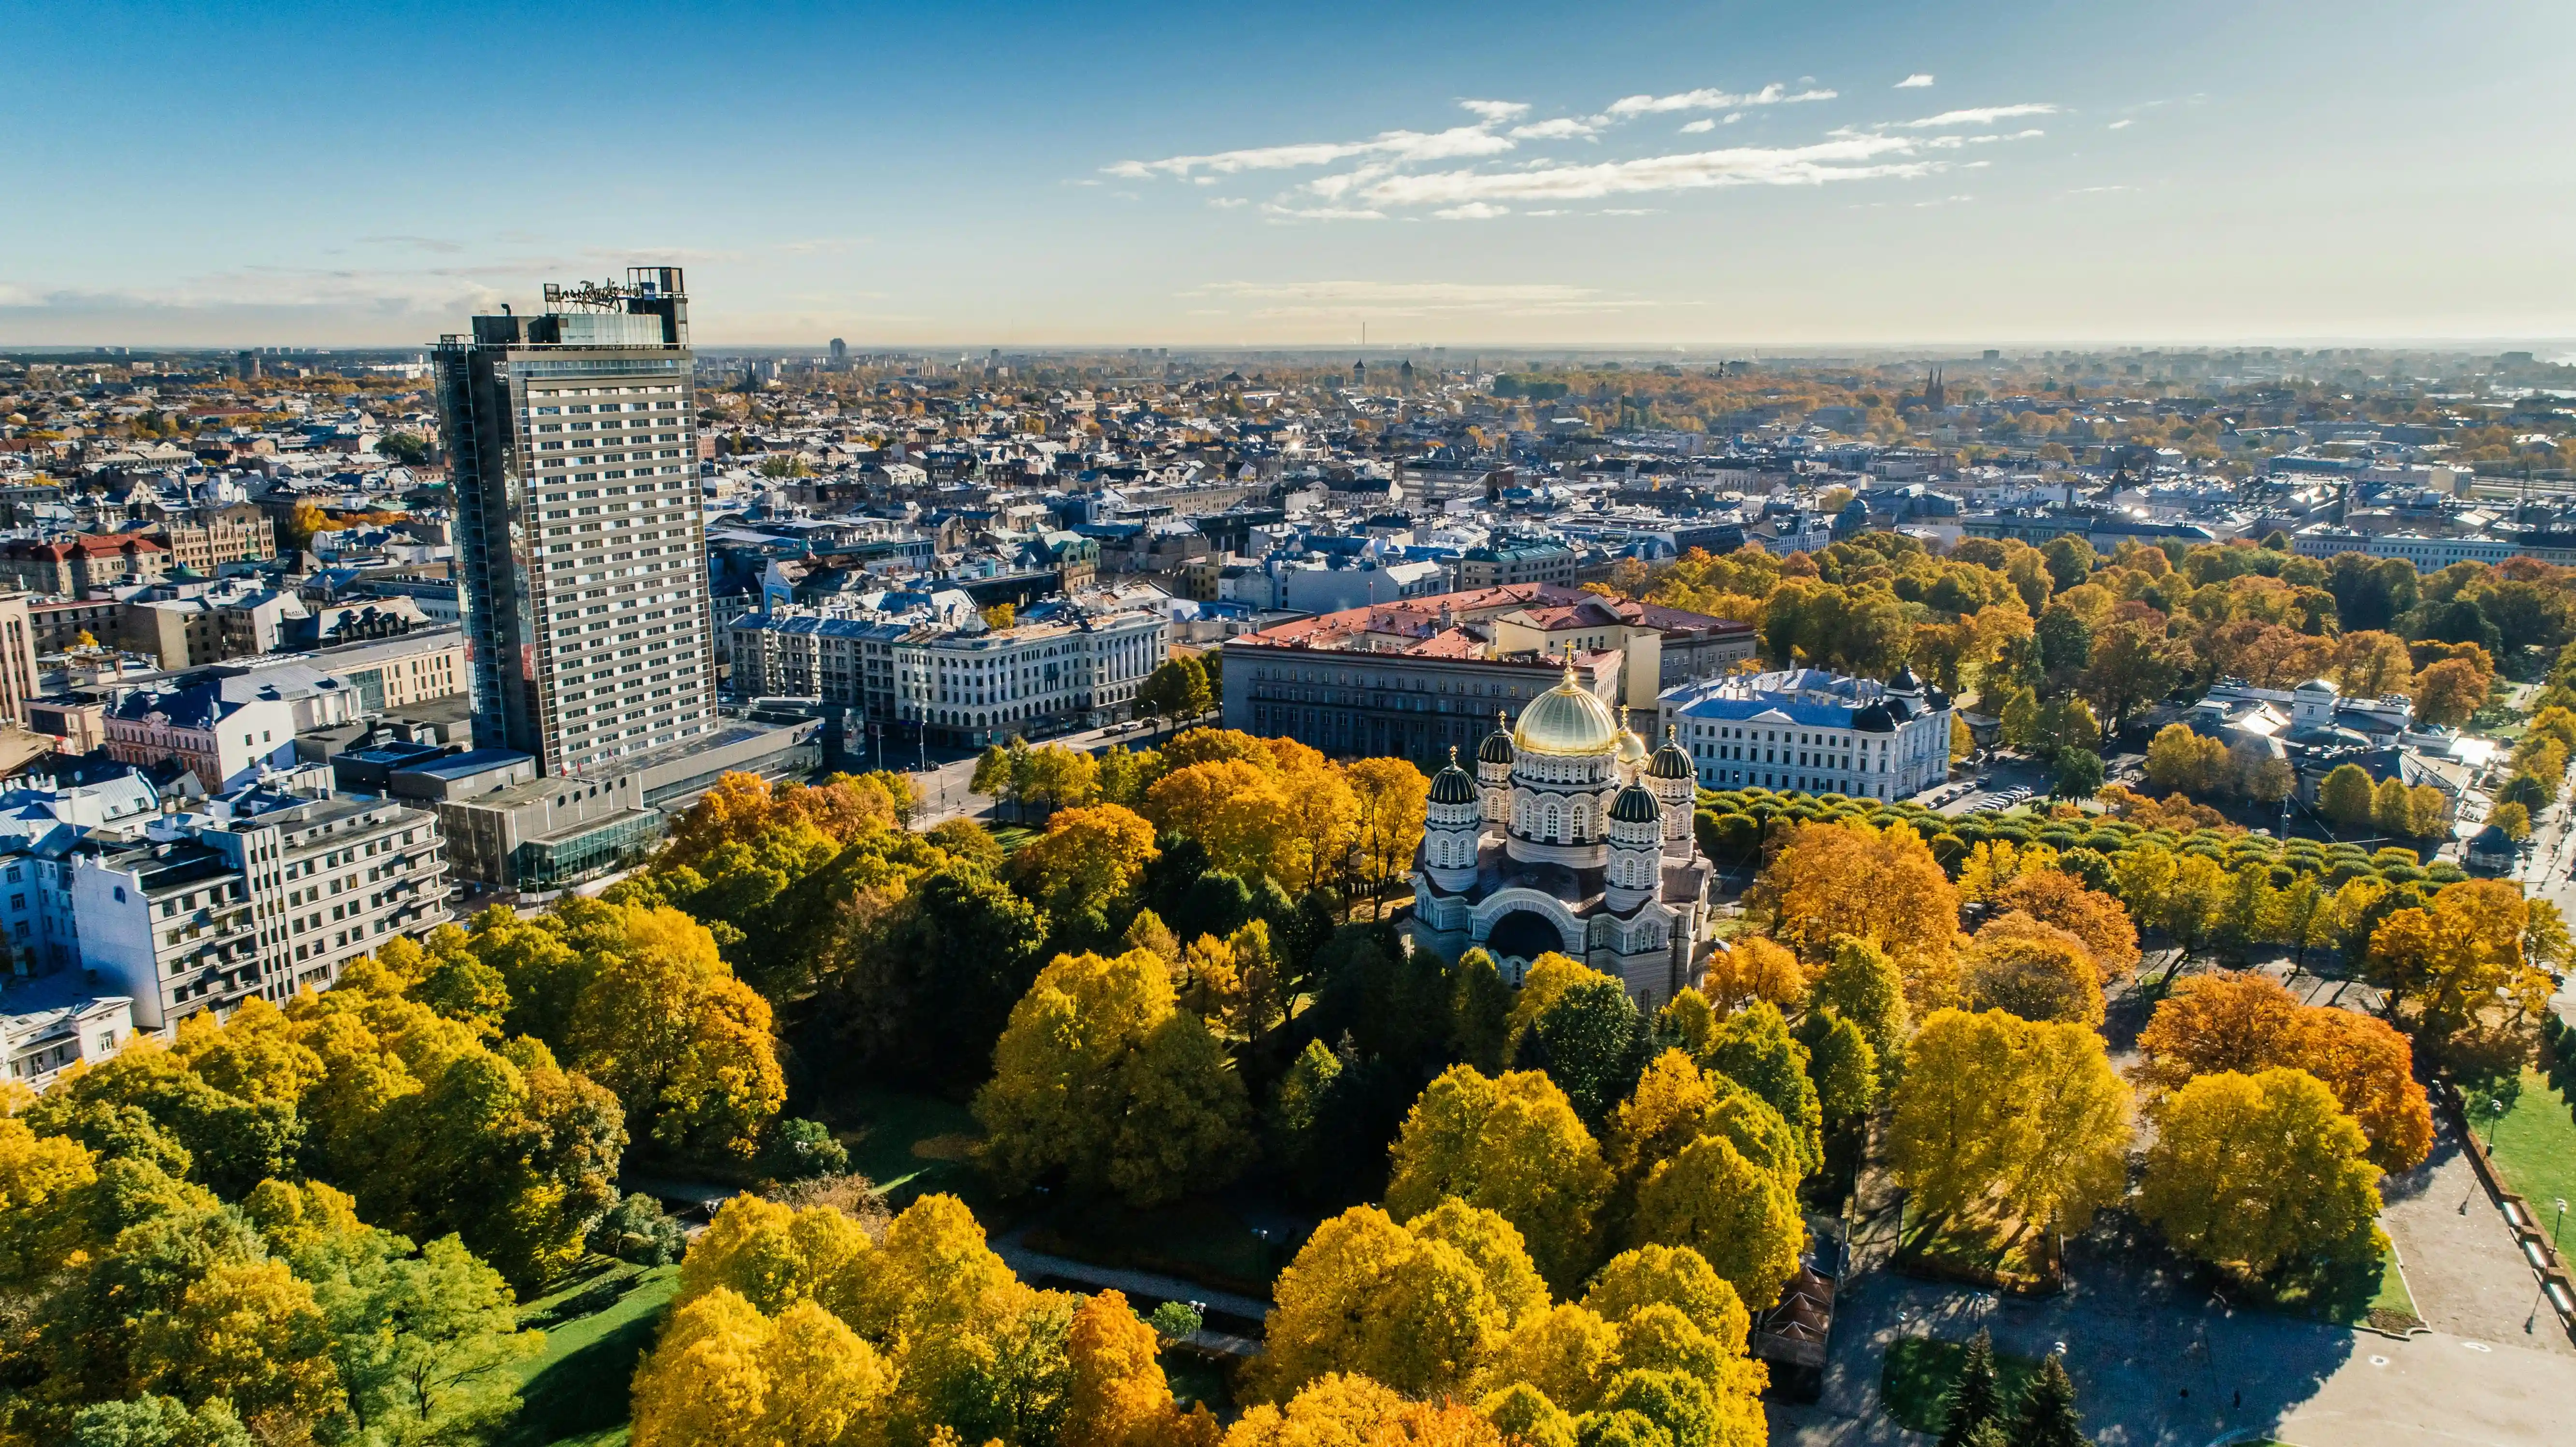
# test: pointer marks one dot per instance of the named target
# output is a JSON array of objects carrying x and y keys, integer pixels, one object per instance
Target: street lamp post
[{"x": 2495, "y": 1117}]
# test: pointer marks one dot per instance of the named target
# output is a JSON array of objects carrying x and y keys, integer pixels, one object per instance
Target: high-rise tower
[{"x": 579, "y": 535}]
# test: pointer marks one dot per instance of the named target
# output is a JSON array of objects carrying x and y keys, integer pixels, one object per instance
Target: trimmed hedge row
[{"x": 1730, "y": 823}]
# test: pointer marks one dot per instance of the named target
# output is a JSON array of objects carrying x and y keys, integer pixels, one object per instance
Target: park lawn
[
  {"x": 1012, "y": 836},
  {"x": 2535, "y": 1146},
  {"x": 909, "y": 1145},
  {"x": 2350, "y": 1294},
  {"x": 1914, "y": 1383},
  {"x": 574, "y": 1394}
]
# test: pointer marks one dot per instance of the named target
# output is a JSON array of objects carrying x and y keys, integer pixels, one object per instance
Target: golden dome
[
  {"x": 1567, "y": 722},
  {"x": 1632, "y": 749}
]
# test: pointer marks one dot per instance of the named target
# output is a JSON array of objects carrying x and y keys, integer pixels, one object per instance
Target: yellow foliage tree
[
  {"x": 1086, "y": 862},
  {"x": 2054, "y": 897},
  {"x": 1119, "y": 1396},
  {"x": 2248, "y": 1171},
  {"x": 1750, "y": 968},
  {"x": 1511, "y": 1145},
  {"x": 661, "y": 1020},
  {"x": 2034, "y": 970},
  {"x": 724, "y": 1372},
  {"x": 2248, "y": 1022},
  {"x": 1418, "y": 1307},
  {"x": 2021, "y": 1114},
  {"x": 1101, "y": 1077},
  {"x": 1832, "y": 880},
  {"x": 2459, "y": 965}
]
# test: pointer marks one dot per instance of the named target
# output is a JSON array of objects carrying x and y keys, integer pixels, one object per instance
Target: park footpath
[{"x": 2160, "y": 1362}]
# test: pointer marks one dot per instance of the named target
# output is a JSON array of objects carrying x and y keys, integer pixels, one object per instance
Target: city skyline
[{"x": 1722, "y": 175}]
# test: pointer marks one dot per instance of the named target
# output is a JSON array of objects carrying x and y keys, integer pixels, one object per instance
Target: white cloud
[
  {"x": 1631, "y": 211},
  {"x": 1713, "y": 100},
  {"x": 1451, "y": 144},
  {"x": 1226, "y": 203},
  {"x": 1494, "y": 111},
  {"x": 2119, "y": 125},
  {"x": 1698, "y": 126},
  {"x": 1980, "y": 116},
  {"x": 1854, "y": 158},
  {"x": 1320, "y": 213},
  {"x": 1917, "y": 81},
  {"x": 1472, "y": 211},
  {"x": 1559, "y": 129},
  {"x": 1731, "y": 118}
]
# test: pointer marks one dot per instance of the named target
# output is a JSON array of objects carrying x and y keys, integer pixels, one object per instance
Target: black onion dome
[
  {"x": 1670, "y": 761},
  {"x": 1497, "y": 748},
  {"x": 1451, "y": 785},
  {"x": 1635, "y": 806}
]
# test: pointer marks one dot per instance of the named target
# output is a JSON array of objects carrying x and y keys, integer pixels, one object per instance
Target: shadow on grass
[
  {"x": 1914, "y": 1384},
  {"x": 2369, "y": 1294},
  {"x": 1978, "y": 1250},
  {"x": 596, "y": 1331}
]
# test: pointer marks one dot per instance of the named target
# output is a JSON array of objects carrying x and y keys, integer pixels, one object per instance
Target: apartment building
[
  {"x": 580, "y": 541},
  {"x": 1497, "y": 566},
  {"x": 205, "y": 539},
  {"x": 263, "y": 894},
  {"x": 796, "y": 652},
  {"x": 86, "y": 566}
]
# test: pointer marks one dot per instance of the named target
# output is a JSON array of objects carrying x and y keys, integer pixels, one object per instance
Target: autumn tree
[
  {"x": 2057, "y": 898},
  {"x": 1119, "y": 1396},
  {"x": 725, "y": 1372},
  {"x": 1102, "y": 1079},
  {"x": 2034, "y": 970},
  {"x": 2248, "y": 1022},
  {"x": 661, "y": 1020},
  {"x": 1085, "y": 866},
  {"x": 2459, "y": 965},
  {"x": 2024, "y": 1114},
  {"x": 1420, "y": 1306},
  {"x": 2250, "y": 1171},
  {"x": 1511, "y": 1145},
  {"x": 1391, "y": 795},
  {"x": 1833, "y": 880}
]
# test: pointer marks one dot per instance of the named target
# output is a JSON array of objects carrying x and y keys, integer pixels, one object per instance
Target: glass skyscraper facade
[{"x": 572, "y": 443}]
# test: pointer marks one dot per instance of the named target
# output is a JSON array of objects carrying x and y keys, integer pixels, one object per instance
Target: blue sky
[{"x": 1730, "y": 175}]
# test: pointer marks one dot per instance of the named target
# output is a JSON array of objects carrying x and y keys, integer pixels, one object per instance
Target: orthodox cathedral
[{"x": 1568, "y": 837}]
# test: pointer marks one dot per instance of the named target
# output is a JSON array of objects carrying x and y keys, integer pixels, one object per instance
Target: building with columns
[
  {"x": 1808, "y": 731},
  {"x": 1569, "y": 836}
]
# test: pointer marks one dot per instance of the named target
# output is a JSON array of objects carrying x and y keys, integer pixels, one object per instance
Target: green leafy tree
[
  {"x": 2079, "y": 774},
  {"x": 1592, "y": 1042},
  {"x": 1480, "y": 1007},
  {"x": 427, "y": 1343},
  {"x": 1753, "y": 1047},
  {"x": 925, "y": 996}
]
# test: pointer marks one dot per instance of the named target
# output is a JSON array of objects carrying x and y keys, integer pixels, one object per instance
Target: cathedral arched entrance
[{"x": 1520, "y": 937}]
